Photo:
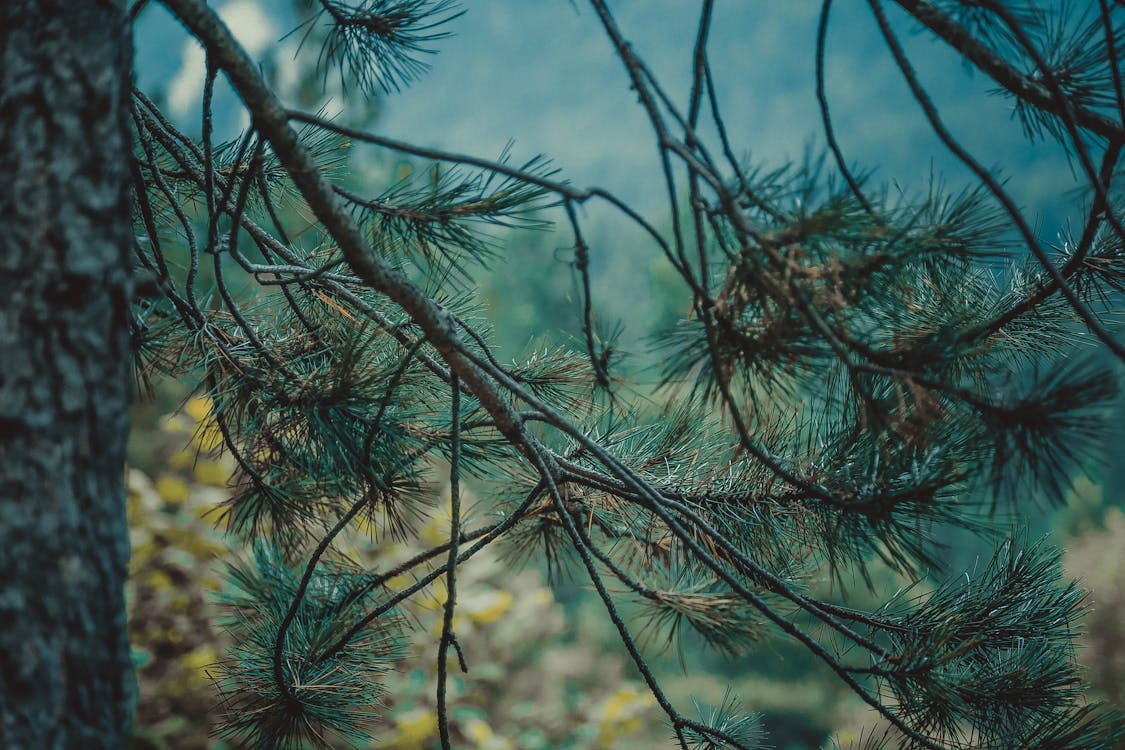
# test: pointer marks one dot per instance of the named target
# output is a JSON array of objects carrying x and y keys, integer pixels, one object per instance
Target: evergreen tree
[
  {"x": 66, "y": 679},
  {"x": 855, "y": 376}
]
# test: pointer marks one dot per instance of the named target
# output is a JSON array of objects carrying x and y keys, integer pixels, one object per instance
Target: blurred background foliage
[
  {"x": 516, "y": 626},
  {"x": 510, "y": 625}
]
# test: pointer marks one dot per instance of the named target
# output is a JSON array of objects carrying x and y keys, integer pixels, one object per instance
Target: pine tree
[
  {"x": 855, "y": 376},
  {"x": 66, "y": 678}
]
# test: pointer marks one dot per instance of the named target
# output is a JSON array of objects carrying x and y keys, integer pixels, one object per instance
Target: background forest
[{"x": 516, "y": 627}]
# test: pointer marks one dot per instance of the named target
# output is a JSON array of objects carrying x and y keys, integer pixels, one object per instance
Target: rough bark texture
[{"x": 66, "y": 679}]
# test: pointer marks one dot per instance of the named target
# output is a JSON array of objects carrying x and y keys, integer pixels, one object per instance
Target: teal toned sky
[{"x": 542, "y": 73}]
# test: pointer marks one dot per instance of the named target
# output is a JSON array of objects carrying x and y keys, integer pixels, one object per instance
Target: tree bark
[{"x": 66, "y": 678}]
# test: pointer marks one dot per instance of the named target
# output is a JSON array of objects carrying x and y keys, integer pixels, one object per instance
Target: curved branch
[
  {"x": 273, "y": 120},
  {"x": 999, "y": 70},
  {"x": 989, "y": 181},
  {"x": 826, "y": 118}
]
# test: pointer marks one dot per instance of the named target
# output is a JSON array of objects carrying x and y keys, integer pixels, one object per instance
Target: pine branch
[{"x": 993, "y": 65}]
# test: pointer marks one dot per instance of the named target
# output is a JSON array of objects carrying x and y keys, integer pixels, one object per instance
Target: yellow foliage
[
  {"x": 180, "y": 604},
  {"x": 435, "y": 628},
  {"x": 142, "y": 555},
  {"x": 193, "y": 542},
  {"x": 172, "y": 490},
  {"x": 399, "y": 582},
  {"x": 158, "y": 580},
  {"x": 412, "y": 730},
  {"x": 482, "y": 736},
  {"x": 158, "y": 635},
  {"x": 208, "y": 438},
  {"x": 212, "y": 473},
  {"x": 436, "y": 530},
  {"x": 205, "y": 512},
  {"x": 433, "y": 596},
  {"x": 499, "y": 602},
  {"x": 198, "y": 407},
  {"x": 170, "y": 618},
  {"x": 622, "y": 715},
  {"x": 181, "y": 459},
  {"x": 135, "y": 510},
  {"x": 195, "y": 663},
  {"x": 365, "y": 525},
  {"x": 172, "y": 425},
  {"x": 210, "y": 582},
  {"x": 478, "y": 731}
]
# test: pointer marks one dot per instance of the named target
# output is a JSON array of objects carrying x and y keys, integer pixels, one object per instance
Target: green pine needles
[
  {"x": 322, "y": 692},
  {"x": 861, "y": 371}
]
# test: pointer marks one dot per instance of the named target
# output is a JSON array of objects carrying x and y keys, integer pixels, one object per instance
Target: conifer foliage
[{"x": 854, "y": 376}]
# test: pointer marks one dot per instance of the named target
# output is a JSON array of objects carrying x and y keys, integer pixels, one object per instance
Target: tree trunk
[{"x": 66, "y": 679}]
